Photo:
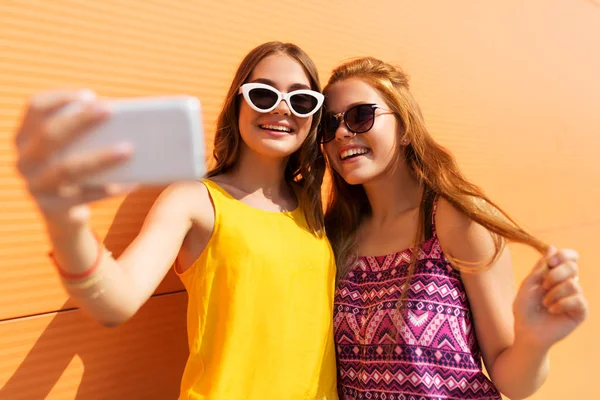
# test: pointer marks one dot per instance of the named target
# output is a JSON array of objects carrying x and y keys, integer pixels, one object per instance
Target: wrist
[
  {"x": 63, "y": 224},
  {"x": 82, "y": 276}
]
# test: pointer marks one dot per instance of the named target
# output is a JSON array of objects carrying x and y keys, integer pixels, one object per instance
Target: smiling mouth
[
  {"x": 277, "y": 128},
  {"x": 352, "y": 153}
]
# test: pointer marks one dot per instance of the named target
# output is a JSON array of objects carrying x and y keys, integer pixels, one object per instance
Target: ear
[{"x": 404, "y": 138}]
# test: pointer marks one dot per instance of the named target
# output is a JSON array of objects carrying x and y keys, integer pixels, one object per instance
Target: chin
[
  {"x": 276, "y": 148},
  {"x": 355, "y": 178},
  {"x": 359, "y": 174}
]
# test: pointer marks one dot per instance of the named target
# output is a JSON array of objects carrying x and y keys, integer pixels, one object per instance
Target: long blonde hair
[
  {"x": 305, "y": 167},
  {"x": 432, "y": 165}
]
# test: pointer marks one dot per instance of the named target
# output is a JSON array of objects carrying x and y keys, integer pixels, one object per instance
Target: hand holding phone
[
  {"x": 165, "y": 133},
  {"x": 73, "y": 149}
]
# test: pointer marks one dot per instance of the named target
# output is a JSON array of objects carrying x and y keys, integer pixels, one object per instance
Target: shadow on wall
[{"x": 141, "y": 359}]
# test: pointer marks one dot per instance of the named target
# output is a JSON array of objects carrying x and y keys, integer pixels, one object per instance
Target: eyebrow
[{"x": 295, "y": 86}]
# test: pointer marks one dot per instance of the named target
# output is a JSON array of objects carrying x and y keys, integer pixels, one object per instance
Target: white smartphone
[{"x": 166, "y": 133}]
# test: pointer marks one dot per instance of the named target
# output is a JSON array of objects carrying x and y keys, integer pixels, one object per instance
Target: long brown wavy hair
[
  {"x": 305, "y": 167},
  {"x": 431, "y": 164}
]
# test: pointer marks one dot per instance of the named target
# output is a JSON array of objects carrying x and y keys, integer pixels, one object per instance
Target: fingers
[
  {"x": 73, "y": 170},
  {"x": 564, "y": 294},
  {"x": 560, "y": 273},
  {"x": 564, "y": 289},
  {"x": 71, "y": 196},
  {"x": 56, "y": 132},
  {"x": 51, "y": 121},
  {"x": 553, "y": 258},
  {"x": 536, "y": 276},
  {"x": 51, "y": 101},
  {"x": 574, "y": 306},
  {"x": 42, "y": 105},
  {"x": 556, "y": 257}
]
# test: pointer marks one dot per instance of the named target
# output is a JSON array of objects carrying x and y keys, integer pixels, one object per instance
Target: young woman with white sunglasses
[{"x": 248, "y": 240}]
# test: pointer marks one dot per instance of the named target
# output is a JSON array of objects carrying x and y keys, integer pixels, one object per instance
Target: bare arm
[
  {"x": 119, "y": 287},
  {"x": 125, "y": 284},
  {"x": 515, "y": 330}
]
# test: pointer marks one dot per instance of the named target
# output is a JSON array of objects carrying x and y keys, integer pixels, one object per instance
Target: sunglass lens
[
  {"x": 303, "y": 103},
  {"x": 329, "y": 125},
  {"x": 360, "y": 118},
  {"x": 263, "y": 98}
]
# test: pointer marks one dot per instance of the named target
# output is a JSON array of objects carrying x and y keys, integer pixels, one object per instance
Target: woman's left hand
[{"x": 550, "y": 304}]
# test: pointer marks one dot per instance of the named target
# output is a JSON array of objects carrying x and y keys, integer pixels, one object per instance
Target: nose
[
  {"x": 282, "y": 108},
  {"x": 342, "y": 132}
]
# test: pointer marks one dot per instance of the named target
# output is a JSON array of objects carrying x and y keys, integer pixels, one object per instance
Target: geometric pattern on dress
[{"x": 427, "y": 352}]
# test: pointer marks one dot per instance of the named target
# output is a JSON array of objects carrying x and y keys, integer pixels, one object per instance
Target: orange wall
[{"x": 511, "y": 87}]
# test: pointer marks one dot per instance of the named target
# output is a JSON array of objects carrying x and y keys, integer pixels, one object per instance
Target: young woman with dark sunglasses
[
  {"x": 248, "y": 240},
  {"x": 425, "y": 285}
]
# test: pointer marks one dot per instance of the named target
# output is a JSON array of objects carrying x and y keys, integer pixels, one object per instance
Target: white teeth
[
  {"x": 276, "y": 128},
  {"x": 351, "y": 152}
]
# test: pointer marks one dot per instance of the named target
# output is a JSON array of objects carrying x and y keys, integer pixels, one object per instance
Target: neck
[
  {"x": 393, "y": 193},
  {"x": 258, "y": 173}
]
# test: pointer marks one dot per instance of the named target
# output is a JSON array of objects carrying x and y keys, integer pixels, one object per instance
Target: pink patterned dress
[{"x": 434, "y": 355}]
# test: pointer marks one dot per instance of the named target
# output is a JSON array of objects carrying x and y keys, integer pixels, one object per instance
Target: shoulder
[
  {"x": 184, "y": 194},
  {"x": 189, "y": 200},
  {"x": 462, "y": 238}
]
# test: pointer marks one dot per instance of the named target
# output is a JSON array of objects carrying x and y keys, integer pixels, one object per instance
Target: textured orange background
[{"x": 511, "y": 87}]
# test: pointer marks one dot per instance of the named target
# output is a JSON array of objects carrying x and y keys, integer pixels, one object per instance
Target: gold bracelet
[{"x": 89, "y": 281}]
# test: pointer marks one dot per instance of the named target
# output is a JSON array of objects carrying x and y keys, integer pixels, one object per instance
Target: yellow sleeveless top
[{"x": 260, "y": 305}]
